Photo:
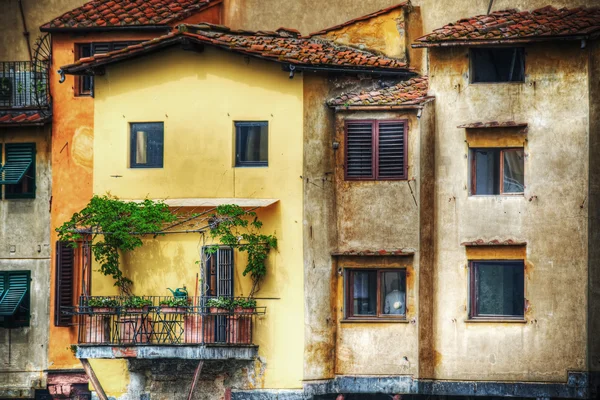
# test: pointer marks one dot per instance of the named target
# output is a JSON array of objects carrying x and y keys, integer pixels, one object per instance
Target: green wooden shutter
[
  {"x": 16, "y": 288},
  {"x": 65, "y": 271},
  {"x": 19, "y": 157}
]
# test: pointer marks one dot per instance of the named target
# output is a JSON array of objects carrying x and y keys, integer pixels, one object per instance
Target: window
[
  {"x": 147, "y": 145},
  {"x": 497, "y": 289},
  {"x": 496, "y": 65},
  {"x": 497, "y": 171},
  {"x": 219, "y": 272},
  {"x": 85, "y": 84},
  {"x": 17, "y": 174},
  {"x": 375, "y": 150},
  {"x": 14, "y": 298},
  {"x": 375, "y": 293},
  {"x": 251, "y": 144},
  {"x": 65, "y": 276}
]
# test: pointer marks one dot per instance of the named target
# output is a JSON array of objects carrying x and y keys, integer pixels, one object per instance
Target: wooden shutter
[
  {"x": 391, "y": 150},
  {"x": 219, "y": 273},
  {"x": 65, "y": 274},
  {"x": 359, "y": 150}
]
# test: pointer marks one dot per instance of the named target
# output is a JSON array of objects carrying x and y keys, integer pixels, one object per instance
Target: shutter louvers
[
  {"x": 359, "y": 150},
  {"x": 391, "y": 151},
  {"x": 101, "y": 48},
  {"x": 65, "y": 271},
  {"x": 15, "y": 292}
]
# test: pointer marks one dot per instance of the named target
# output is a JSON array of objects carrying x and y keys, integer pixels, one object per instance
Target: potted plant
[
  {"x": 219, "y": 305},
  {"x": 174, "y": 305},
  {"x": 136, "y": 304},
  {"x": 239, "y": 324},
  {"x": 102, "y": 304},
  {"x": 135, "y": 324},
  {"x": 98, "y": 322},
  {"x": 246, "y": 306}
]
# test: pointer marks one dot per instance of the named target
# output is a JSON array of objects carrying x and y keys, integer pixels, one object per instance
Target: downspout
[
  {"x": 490, "y": 7},
  {"x": 25, "y": 31}
]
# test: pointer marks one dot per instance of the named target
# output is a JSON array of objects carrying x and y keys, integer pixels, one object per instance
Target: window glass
[
  {"x": 147, "y": 145},
  {"x": 499, "y": 288},
  {"x": 487, "y": 166},
  {"x": 514, "y": 177},
  {"x": 252, "y": 144},
  {"x": 495, "y": 65},
  {"x": 393, "y": 292},
  {"x": 364, "y": 300}
]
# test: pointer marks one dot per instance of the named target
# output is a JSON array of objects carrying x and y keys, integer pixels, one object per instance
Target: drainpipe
[
  {"x": 490, "y": 7},
  {"x": 25, "y": 31}
]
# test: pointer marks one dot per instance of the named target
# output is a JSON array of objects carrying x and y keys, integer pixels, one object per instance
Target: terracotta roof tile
[
  {"x": 370, "y": 252},
  {"x": 106, "y": 13},
  {"x": 413, "y": 91},
  {"x": 8, "y": 118},
  {"x": 494, "y": 242},
  {"x": 513, "y": 25},
  {"x": 283, "y": 46}
]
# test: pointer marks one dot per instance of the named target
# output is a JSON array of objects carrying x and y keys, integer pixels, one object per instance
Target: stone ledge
[{"x": 185, "y": 352}]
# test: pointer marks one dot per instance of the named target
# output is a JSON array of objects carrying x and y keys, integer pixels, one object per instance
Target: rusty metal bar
[
  {"x": 195, "y": 379},
  {"x": 92, "y": 376}
]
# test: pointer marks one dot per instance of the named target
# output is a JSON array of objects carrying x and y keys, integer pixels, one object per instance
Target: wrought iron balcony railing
[
  {"x": 23, "y": 85},
  {"x": 157, "y": 324}
]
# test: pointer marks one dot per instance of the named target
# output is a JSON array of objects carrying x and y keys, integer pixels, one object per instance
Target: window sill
[
  {"x": 497, "y": 320},
  {"x": 498, "y": 195},
  {"x": 375, "y": 320}
]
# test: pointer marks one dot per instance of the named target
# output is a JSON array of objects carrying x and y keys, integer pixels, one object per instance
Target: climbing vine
[
  {"x": 120, "y": 225},
  {"x": 235, "y": 227}
]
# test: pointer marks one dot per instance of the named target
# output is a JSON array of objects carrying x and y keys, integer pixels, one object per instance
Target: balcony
[
  {"x": 23, "y": 84},
  {"x": 193, "y": 332}
]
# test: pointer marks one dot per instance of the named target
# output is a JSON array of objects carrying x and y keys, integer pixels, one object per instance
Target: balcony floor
[{"x": 182, "y": 351}]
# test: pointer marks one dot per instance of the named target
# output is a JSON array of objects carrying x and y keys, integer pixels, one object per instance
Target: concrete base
[{"x": 185, "y": 352}]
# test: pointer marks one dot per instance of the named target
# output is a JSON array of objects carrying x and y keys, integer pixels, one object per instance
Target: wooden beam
[
  {"x": 92, "y": 376},
  {"x": 195, "y": 379}
]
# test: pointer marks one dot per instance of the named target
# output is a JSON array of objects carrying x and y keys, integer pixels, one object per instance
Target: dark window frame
[
  {"x": 379, "y": 315},
  {"x": 375, "y": 149},
  {"x": 474, "y": 295},
  {"x": 245, "y": 164},
  {"x": 80, "y": 81},
  {"x": 133, "y": 145},
  {"x": 472, "y": 67},
  {"x": 473, "y": 171}
]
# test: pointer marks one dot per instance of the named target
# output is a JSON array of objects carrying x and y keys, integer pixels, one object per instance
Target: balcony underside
[{"x": 183, "y": 351}]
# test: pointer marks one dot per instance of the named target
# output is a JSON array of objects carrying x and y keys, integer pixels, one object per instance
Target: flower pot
[
  {"x": 103, "y": 310},
  {"x": 136, "y": 310},
  {"x": 97, "y": 329},
  {"x": 239, "y": 329},
  {"x": 193, "y": 328},
  {"x": 218, "y": 310},
  {"x": 172, "y": 310}
]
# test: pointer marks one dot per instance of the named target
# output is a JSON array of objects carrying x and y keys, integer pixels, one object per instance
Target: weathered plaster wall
[
  {"x": 24, "y": 227},
  {"x": 319, "y": 235},
  {"x": 553, "y": 101},
  {"x": 13, "y": 45},
  {"x": 384, "y": 33},
  {"x": 198, "y": 96},
  {"x": 594, "y": 215}
]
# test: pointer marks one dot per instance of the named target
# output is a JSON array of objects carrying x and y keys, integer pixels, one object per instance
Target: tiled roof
[
  {"x": 114, "y": 13},
  {"x": 361, "y": 18},
  {"x": 494, "y": 242},
  {"x": 413, "y": 91},
  {"x": 494, "y": 124},
  {"x": 8, "y": 118},
  {"x": 284, "y": 46},
  {"x": 517, "y": 26},
  {"x": 369, "y": 252}
]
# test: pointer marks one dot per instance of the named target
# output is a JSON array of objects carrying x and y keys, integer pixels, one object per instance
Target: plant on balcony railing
[
  {"x": 233, "y": 226},
  {"x": 102, "y": 302},
  {"x": 136, "y": 302},
  {"x": 120, "y": 224}
]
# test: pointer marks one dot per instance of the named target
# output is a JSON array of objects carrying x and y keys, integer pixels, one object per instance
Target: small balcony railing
[
  {"x": 23, "y": 84},
  {"x": 163, "y": 325}
]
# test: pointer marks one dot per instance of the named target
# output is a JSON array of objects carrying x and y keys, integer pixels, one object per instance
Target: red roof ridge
[
  {"x": 512, "y": 25},
  {"x": 110, "y": 14},
  {"x": 409, "y": 92},
  {"x": 361, "y": 18}
]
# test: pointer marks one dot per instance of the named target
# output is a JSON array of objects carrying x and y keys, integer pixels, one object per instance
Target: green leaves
[
  {"x": 235, "y": 227},
  {"x": 120, "y": 224}
]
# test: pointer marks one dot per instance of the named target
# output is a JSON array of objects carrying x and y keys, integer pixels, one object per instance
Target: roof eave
[
  {"x": 112, "y": 28},
  {"x": 487, "y": 42},
  {"x": 402, "y": 72}
]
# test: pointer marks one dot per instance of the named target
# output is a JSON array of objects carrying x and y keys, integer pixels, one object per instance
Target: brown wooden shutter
[
  {"x": 391, "y": 151},
  {"x": 359, "y": 150},
  {"x": 65, "y": 274}
]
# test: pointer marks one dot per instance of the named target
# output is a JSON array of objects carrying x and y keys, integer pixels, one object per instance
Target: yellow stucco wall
[{"x": 198, "y": 96}]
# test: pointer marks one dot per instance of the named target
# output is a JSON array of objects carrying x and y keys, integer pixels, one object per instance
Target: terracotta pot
[
  {"x": 138, "y": 310},
  {"x": 193, "y": 328},
  {"x": 218, "y": 310},
  {"x": 103, "y": 310},
  {"x": 97, "y": 329},
  {"x": 239, "y": 329},
  {"x": 172, "y": 310}
]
